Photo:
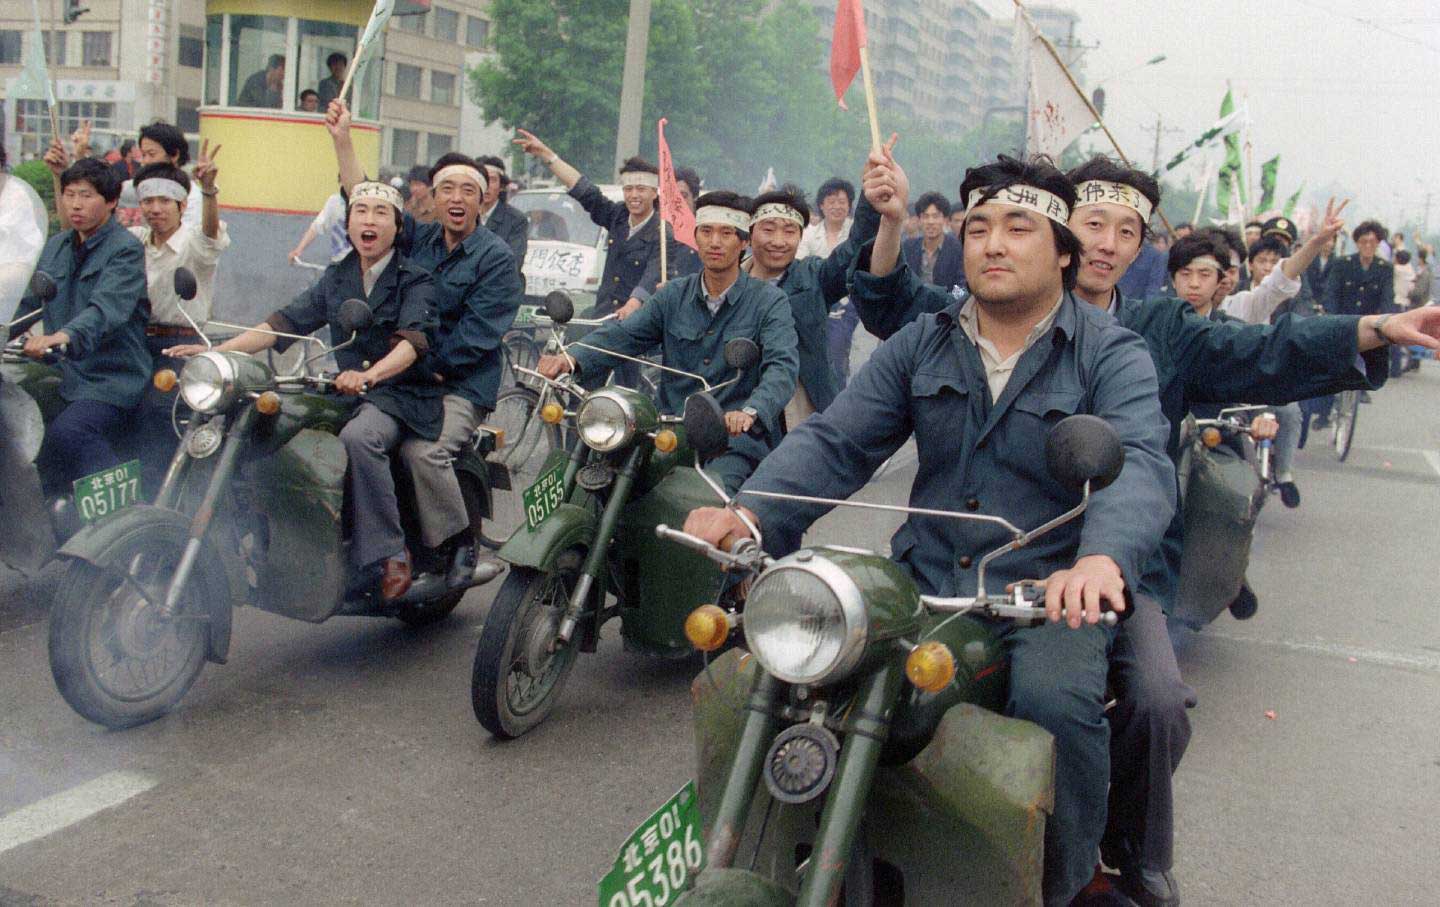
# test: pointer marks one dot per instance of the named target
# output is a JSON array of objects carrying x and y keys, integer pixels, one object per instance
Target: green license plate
[
  {"x": 525, "y": 315},
  {"x": 99, "y": 495},
  {"x": 661, "y": 858},
  {"x": 544, "y": 496}
]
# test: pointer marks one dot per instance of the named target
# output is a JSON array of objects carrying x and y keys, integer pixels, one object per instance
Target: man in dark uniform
[
  {"x": 1363, "y": 283},
  {"x": 387, "y": 365},
  {"x": 691, "y": 319},
  {"x": 96, "y": 322},
  {"x": 498, "y": 215}
]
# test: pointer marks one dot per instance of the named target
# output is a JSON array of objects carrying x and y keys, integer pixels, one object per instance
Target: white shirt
[
  {"x": 815, "y": 240},
  {"x": 372, "y": 273},
  {"x": 636, "y": 228},
  {"x": 187, "y": 247},
  {"x": 193, "y": 203},
  {"x": 713, "y": 303},
  {"x": 998, "y": 370},
  {"x": 330, "y": 223},
  {"x": 1256, "y": 304}
]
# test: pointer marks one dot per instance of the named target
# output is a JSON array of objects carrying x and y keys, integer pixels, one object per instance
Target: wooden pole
[
  {"x": 50, "y": 88},
  {"x": 664, "y": 262},
  {"x": 869, "y": 83},
  {"x": 1200, "y": 202},
  {"x": 350, "y": 72}
]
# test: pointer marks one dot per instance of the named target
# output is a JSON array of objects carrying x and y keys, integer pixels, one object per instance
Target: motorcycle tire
[
  {"x": 97, "y": 611},
  {"x": 508, "y": 697}
]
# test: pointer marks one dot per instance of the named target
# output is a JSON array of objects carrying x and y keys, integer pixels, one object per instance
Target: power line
[{"x": 1371, "y": 23}]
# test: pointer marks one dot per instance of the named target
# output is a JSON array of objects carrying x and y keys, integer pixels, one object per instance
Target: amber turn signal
[
  {"x": 930, "y": 666},
  {"x": 165, "y": 380},
  {"x": 707, "y": 628},
  {"x": 1210, "y": 437},
  {"x": 665, "y": 441},
  {"x": 552, "y": 413},
  {"x": 268, "y": 403}
]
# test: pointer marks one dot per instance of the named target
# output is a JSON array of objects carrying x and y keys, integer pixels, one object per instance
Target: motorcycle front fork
[{"x": 593, "y": 569}]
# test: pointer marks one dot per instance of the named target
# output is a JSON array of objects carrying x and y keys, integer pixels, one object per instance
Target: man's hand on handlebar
[
  {"x": 39, "y": 345},
  {"x": 1264, "y": 427},
  {"x": 554, "y": 366},
  {"x": 184, "y": 350},
  {"x": 738, "y": 423},
  {"x": 1080, "y": 590},
  {"x": 719, "y": 526},
  {"x": 631, "y": 306},
  {"x": 352, "y": 383}
]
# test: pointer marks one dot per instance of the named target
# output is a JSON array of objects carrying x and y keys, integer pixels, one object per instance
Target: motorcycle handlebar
[{"x": 742, "y": 551}]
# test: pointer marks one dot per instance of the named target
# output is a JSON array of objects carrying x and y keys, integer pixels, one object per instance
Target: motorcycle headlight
[
  {"x": 805, "y": 619},
  {"x": 207, "y": 384},
  {"x": 606, "y": 421}
]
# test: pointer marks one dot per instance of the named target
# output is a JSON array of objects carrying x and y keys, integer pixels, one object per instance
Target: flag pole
[
  {"x": 869, "y": 83},
  {"x": 1083, "y": 97},
  {"x": 664, "y": 269},
  {"x": 49, "y": 81},
  {"x": 1200, "y": 201}
]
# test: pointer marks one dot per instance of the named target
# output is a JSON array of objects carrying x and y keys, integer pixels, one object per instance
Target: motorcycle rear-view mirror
[
  {"x": 354, "y": 315},
  {"x": 1084, "y": 448},
  {"x": 742, "y": 353},
  {"x": 42, "y": 286},
  {"x": 185, "y": 285},
  {"x": 705, "y": 429},
  {"x": 559, "y": 307}
]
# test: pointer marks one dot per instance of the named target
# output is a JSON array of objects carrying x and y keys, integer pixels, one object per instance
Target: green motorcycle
[
  {"x": 824, "y": 777},
  {"x": 251, "y": 511},
  {"x": 589, "y": 534}
]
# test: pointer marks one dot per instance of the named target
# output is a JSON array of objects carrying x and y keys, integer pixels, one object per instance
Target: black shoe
[
  {"x": 1245, "y": 604},
  {"x": 1149, "y": 888},
  {"x": 1365, "y": 395},
  {"x": 1321, "y": 423},
  {"x": 1289, "y": 494},
  {"x": 462, "y": 566}
]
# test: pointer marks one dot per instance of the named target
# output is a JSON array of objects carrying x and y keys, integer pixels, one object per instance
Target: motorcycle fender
[
  {"x": 570, "y": 525},
  {"x": 98, "y": 544},
  {"x": 471, "y": 464},
  {"x": 732, "y": 887},
  {"x": 1219, "y": 515}
]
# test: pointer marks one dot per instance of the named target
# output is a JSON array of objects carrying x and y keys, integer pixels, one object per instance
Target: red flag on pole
[
  {"x": 673, "y": 208},
  {"x": 845, "y": 47}
]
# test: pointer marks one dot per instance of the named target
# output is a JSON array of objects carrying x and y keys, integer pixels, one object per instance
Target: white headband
[
  {"x": 776, "y": 209},
  {"x": 724, "y": 217},
  {"x": 1022, "y": 196},
  {"x": 160, "y": 187},
  {"x": 388, "y": 194},
  {"x": 1204, "y": 260},
  {"x": 492, "y": 170},
  {"x": 457, "y": 172},
  {"x": 640, "y": 178},
  {"x": 1094, "y": 192}
]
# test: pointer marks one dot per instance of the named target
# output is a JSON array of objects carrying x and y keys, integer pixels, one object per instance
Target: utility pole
[
  {"x": 632, "y": 87},
  {"x": 1160, "y": 129}
]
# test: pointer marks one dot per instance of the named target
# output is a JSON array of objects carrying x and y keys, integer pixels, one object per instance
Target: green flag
[
  {"x": 1229, "y": 179},
  {"x": 1267, "y": 183},
  {"x": 33, "y": 82},
  {"x": 1293, "y": 201}
]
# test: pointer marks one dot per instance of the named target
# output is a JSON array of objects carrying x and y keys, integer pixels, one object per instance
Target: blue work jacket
[
  {"x": 631, "y": 261},
  {"x": 102, "y": 305},
  {"x": 478, "y": 289},
  {"x": 979, "y": 455},
  {"x": 949, "y": 259}
]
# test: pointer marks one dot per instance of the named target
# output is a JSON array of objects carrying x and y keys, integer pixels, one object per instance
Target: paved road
[{"x": 341, "y": 763}]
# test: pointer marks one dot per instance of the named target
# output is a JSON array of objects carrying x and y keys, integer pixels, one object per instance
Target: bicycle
[{"x": 1342, "y": 429}]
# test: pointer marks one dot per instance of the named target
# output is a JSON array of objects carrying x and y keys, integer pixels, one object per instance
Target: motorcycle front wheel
[
  {"x": 516, "y": 680},
  {"x": 115, "y": 659}
]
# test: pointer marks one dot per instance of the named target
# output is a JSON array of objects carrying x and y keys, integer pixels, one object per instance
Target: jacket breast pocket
[
  {"x": 941, "y": 406},
  {"x": 1033, "y": 415}
]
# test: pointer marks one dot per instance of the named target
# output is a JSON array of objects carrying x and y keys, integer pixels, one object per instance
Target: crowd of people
[{"x": 1038, "y": 294}]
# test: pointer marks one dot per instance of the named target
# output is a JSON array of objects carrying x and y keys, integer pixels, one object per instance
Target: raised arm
[
  {"x": 532, "y": 146},
  {"x": 1294, "y": 266},
  {"x": 337, "y": 120}
]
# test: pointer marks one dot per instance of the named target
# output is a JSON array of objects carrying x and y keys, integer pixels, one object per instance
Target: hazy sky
[{"x": 1343, "y": 102}]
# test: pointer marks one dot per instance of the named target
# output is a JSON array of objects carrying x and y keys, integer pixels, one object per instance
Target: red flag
[
  {"x": 845, "y": 47},
  {"x": 673, "y": 208}
]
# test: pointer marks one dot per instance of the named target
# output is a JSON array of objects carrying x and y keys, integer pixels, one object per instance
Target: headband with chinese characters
[
  {"x": 461, "y": 172},
  {"x": 1022, "y": 196},
  {"x": 724, "y": 217},
  {"x": 380, "y": 191},
  {"x": 160, "y": 187},
  {"x": 1204, "y": 260},
  {"x": 640, "y": 178},
  {"x": 1094, "y": 192},
  {"x": 777, "y": 209}
]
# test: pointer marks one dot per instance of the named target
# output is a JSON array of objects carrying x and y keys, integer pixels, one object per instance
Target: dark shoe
[
  {"x": 1321, "y": 423},
  {"x": 1245, "y": 604},
  {"x": 395, "y": 577},
  {"x": 462, "y": 566},
  {"x": 1101, "y": 892},
  {"x": 1289, "y": 494},
  {"x": 1149, "y": 888},
  {"x": 1365, "y": 395}
]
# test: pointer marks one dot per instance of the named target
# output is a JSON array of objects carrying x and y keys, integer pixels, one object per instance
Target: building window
[
  {"x": 407, "y": 80},
  {"x": 414, "y": 24},
  {"x": 437, "y": 144},
  {"x": 404, "y": 147},
  {"x": 9, "y": 47},
  {"x": 447, "y": 24},
  {"x": 32, "y": 118},
  {"x": 442, "y": 87},
  {"x": 477, "y": 31},
  {"x": 55, "y": 48},
  {"x": 257, "y": 61},
  {"x": 95, "y": 48},
  {"x": 192, "y": 51},
  {"x": 239, "y": 50},
  {"x": 187, "y": 114}
]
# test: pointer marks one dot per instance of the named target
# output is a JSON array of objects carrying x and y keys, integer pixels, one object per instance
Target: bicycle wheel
[
  {"x": 528, "y": 442},
  {"x": 1347, "y": 409},
  {"x": 519, "y": 349}
]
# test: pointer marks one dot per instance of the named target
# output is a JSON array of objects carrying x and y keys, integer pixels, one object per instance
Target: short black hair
[
  {"x": 932, "y": 199},
  {"x": 689, "y": 177},
  {"x": 726, "y": 199},
  {"x": 97, "y": 173},
  {"x": 418, "y": 174},
  {"x": 1402, "y": 257},
  {"x": 1102, "y": 167},
  {"x": 1268, "y": 243},
  {"x": 276, "y": 60},
  {"x": 309, "y": 91},
  {"x": 330, "y": 60},
  {"x": 1197, "y": 245},
  {"x": 639, "y": 165},
  {"x": 1254, "y": 223},
  {"x": 1042, "y": 174},
  {"x": 1230, "y": 244},
  {"x": 490, "y": 160},
  {"x": 1184, "y": 225},
  {"x": 1370, "y": 226},
  {"x": 126, "y": 147},
  {"x": 831, "y": 186},
  {"x": 455, "y": 157},
  {"x": 165, "y": 171},
  {"x": 788, "y": 194},
  {"x": 169, "y": 137}
]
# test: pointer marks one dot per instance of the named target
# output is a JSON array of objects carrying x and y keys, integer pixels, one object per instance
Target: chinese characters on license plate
[
  {"x": 101, "y": 494},
  {"x": 661, "y": 858},
  {"x": 544, "y": 496}
]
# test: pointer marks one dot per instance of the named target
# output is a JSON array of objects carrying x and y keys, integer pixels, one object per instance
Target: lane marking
[
  {"x": 1433, "y": 459},
  {"x": 45, "y": 817},
  {"x": 1429, "y": 663}
]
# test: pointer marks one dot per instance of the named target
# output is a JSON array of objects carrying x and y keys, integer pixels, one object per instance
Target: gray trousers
[
  {"x": 375, "y": 532},
  {"x": 1286, "y": 440},
  {"x": 1149, "y": 731},
  {"x": 440, "y": 505}
]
